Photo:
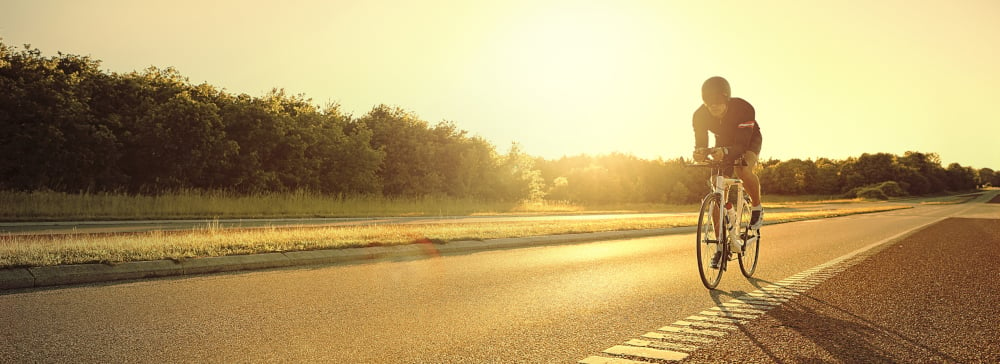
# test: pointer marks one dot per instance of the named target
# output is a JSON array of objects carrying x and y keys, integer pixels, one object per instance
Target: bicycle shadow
[
  {"x": 721, "y": 297},
  {"x": 841, "y": 335}
]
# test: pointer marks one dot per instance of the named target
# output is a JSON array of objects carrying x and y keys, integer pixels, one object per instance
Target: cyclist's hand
[
  {"x": 718, "y": 154},
  {"x": 700, "y": 154}
]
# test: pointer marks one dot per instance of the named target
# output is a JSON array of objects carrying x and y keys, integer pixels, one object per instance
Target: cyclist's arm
[
  {"x": 700, "y": 138},
  {"x": 700, "y": 133}
]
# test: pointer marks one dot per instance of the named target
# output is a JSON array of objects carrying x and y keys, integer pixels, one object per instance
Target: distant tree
[
  {"x": 870, "y": 169},
  {"x": 467, "y": 165},
  {"x": 792, "y": 177},
  {"x": 679, "y": 193},
  {"x": 67, "y": 126},
  {"x": 444, "y": 160},
  {"x": 339, "y": 156},
  {"x": 177, "y": 144},
  {"x": 49, "y": 137},
  {"x": 827, "y": 181},
  {"x": 519, "y": 177},
  {"x": 987, "y": 176},
  {"x": 928, "y": 166},
  {"x": 581, "y": 179},
  {"x": 408, "y": 168},
  {"x": 961, "y": 178}
]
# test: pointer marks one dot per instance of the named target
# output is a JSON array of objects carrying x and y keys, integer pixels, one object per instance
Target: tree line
[{"x": 66, "y": 125}]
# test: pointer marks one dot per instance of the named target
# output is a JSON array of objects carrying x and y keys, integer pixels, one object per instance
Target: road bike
[{"x": 724, "y": 225}]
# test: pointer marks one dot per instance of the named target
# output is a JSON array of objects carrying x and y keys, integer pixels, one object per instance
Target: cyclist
[{"x": 737, "y": 134}]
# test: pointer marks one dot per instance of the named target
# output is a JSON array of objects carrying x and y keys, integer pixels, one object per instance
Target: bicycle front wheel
[
  {"x": 751, "y": 242},
  {"x": 710, "y": 235}
]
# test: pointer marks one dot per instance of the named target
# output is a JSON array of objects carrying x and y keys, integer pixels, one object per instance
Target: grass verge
[
  {"x": 58, "y": 206},
  {"x": 41, "y": 250}
]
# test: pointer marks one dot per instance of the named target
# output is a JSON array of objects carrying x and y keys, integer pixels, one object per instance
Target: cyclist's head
[{"x": 715, "y": 92}]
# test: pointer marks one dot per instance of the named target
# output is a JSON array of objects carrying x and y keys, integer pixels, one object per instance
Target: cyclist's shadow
[
  {"x": 720, "y": 296},
  {"x": 842, "y": 334}
]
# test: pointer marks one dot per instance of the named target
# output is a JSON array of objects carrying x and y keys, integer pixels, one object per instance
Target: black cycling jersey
[{"x": 738, "y": 129}]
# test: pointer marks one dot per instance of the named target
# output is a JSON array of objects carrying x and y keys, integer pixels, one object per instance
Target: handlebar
[{"x": 739, "y": 162}]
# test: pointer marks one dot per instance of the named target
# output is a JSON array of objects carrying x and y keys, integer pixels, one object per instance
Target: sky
[{"x": 828, "y": 79}]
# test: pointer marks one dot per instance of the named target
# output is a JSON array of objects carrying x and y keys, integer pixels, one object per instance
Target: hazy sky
[{"x": 828, "y": 78}]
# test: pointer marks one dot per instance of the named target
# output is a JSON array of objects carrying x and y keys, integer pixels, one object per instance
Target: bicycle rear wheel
[
  {"x": 751, "y": 241},
  {"x": 711, "y": 233}
]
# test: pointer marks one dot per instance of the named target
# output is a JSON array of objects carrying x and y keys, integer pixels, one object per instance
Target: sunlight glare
[{"x": 566, "y": 56}]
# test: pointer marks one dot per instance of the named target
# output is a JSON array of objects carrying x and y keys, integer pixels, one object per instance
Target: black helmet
[{"x": 715, "y": 90}]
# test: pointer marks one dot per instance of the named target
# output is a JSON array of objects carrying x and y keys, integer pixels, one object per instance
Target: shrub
[
  {"x": 891, "y": 189},
  {"x": 881, "y": 191},
  {"x": 872, "y": 193}
]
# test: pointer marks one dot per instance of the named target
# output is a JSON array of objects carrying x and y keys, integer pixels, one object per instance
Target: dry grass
[
  {"x": 41, "y": 250},
  {"x": 56, "y": 206}
]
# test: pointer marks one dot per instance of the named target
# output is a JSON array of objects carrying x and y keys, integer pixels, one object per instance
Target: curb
[{"x": 16, "y": 278}]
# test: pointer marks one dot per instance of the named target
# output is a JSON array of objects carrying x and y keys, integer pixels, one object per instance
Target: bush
[
  {"x": 881, "y": 191},
  {"x": 871, "y": 193},
  {"x": 891, "y": 189}
]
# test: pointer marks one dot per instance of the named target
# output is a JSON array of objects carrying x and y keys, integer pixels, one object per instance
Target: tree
[
  {"x": 791, "y": 177},
  {"x": 519, "y": 177},
  {"x": 827, "y": 181},
  {"x": 927, "y": 166},
  {"x": 423, "y": 160},
  {"x": 50, "y": 136},
  {"x": 408, "y": 167},
  {"x": 869, "y": 169},
  {"x": 961, "y": 178},
  {"x": 344, "y": 160},
  {"x": 987, "y": 177}
]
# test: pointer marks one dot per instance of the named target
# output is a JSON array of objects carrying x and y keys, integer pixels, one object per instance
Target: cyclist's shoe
[
  {"x": 756, "y": 219},
  {"x": 716, "y": 260}
]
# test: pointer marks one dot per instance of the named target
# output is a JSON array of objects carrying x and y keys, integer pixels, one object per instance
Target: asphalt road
[{"x": 552, "y": 304}]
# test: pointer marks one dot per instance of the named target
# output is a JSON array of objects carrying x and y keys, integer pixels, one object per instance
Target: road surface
[{"x": 552, "y": 304}]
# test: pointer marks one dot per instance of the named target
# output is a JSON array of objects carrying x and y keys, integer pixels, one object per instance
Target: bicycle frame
[
  {"x": 721, "y": 185},
  {"x": 730, "y": 231}
]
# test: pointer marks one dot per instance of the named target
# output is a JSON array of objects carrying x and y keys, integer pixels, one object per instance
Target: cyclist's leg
[
  {"x": 717, "y": 216},
  {"x": 752, "y": 186},
  {"x": 750, "y": 181}
]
